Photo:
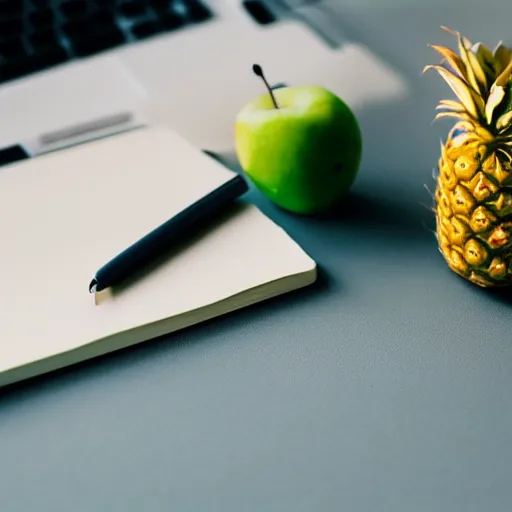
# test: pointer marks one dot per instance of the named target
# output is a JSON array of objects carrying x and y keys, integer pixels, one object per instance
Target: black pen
[{"x": 167, "y": 235}]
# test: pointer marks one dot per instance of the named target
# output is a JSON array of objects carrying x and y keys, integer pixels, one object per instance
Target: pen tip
[{"x": 93, "y": 286}]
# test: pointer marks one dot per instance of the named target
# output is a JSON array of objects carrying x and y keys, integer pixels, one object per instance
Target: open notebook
[{"x": 64, "y": 214}]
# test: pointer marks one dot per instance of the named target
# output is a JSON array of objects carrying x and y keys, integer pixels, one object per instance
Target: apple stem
[{"x": 259, "y": 72}]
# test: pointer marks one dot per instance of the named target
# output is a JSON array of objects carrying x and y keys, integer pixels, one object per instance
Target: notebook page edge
[{"x": 133, "y": 337}]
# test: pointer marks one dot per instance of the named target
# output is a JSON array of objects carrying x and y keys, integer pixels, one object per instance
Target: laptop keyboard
[{"x": 38, "y": 34}]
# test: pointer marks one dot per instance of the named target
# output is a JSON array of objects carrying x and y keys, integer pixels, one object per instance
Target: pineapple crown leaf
[
  {"x": 480, "y": 78},
  {"x": 452, "y": 59},
  {"x": 495, "y": 98},
  {"x": 454, "y": 106},
  {"x": 504, "y": 76},
  {"x": 472, "y": 101},
  {"x": 501, "y": 56},
  {"x": 504, "y": 121}
]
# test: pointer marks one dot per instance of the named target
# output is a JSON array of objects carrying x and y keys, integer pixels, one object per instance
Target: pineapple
[{"x": 473, "y": 198}]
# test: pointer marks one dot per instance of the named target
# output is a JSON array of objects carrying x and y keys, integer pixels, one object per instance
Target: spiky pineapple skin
[{"x": 474, "y": 211}]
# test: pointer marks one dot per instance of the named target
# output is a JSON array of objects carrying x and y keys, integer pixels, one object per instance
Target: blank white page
[{"x": 63, "y": 215}]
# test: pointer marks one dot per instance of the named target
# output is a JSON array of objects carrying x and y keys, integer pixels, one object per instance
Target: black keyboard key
[
  {"x": 101, "y": 21},
  {"x": 12, "y": 49},
  {"x": 40, "y": 20},
  {"x": 103, "y": 4},
  {"x": 259, "y": 12},
  {"x": 95, "y": 42},
  {"x": 197, "y": 11},
  {"x": 49, "y": 56},
  {"x": 161, "y": 5},
  {"x": 172, "y": 21},
  {"x": 17, "y": 68},
  {"x": 12, "y": 154},
  {"x": 74, "y": 29},
  {"x": 133, "y": 8},
  {"x": 11, "y": 28},
  {"x": 102, "y": 17},
  {"x": 147, "y": 29},
  {"x": 11, "y": 8},
  {"x": 72, "y": 9},
  {"x": 41, "y": 4},
  {"x": 43, "y": 39}
]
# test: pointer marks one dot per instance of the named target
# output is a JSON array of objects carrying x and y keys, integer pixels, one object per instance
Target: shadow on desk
[
  {"x": 502, "y": 295},
  {"x": 379, "y": 214}
]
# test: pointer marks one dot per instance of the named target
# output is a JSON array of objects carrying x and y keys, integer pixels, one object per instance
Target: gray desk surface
[{"x": 386, "y": 388}]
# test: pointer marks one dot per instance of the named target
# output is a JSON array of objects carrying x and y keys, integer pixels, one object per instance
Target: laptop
[{"x": 78, "y": 68}]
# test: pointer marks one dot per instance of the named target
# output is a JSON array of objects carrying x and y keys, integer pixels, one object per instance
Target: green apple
[{"x": 305, "y": 154}]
